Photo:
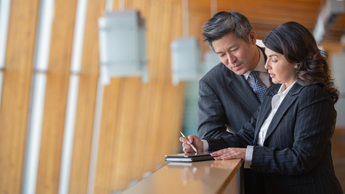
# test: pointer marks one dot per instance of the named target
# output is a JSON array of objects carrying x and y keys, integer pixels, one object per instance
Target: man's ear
[{"x": 252, "y": 37}]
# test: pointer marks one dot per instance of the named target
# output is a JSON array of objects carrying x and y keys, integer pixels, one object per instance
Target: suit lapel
[
  {"x": 284, "y": 106},
  {"x": 266, "y": 108},
  {"x": 240, "y": 88}
]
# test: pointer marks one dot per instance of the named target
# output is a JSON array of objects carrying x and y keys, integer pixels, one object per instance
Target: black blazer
[{"x": 296, "y": 156}]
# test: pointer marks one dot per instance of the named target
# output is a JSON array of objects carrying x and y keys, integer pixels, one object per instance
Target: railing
[{"x": 221, "y": 176}]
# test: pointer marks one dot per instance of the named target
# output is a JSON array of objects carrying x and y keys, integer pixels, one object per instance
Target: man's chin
[{"x": 239, "y": 71}]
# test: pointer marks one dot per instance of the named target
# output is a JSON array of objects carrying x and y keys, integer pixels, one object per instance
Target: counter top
[{"x": 207, "y": 177}]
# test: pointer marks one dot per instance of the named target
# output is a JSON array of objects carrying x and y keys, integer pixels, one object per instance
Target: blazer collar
[
  {"x": 290, "y": 98},
  {"x": 241, "y": 89},
  {"x": 296, "y": 89}
]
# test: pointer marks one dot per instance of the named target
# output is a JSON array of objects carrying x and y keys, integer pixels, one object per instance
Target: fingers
[
  {"x": 192, "y": 139},
  {"x": 186, "y": 145},
  {"x": 183, "y": 139},
  {"x": 229, "y": 153},
  {"x": 219, "y": 155},
  {"x": 197, "y": 143},
  {"x": 187, "y": 148}
]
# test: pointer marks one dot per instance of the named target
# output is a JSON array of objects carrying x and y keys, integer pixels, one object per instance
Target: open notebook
[{"x": 190, "y": 157}]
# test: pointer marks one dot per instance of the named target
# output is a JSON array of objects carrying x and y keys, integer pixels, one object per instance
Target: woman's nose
[{"x": 267, "y": 65}]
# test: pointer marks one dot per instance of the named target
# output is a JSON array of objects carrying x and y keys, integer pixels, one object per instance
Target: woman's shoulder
[
  {"x": 314, "y": 92},
  {"x": 312, "y": 88}
]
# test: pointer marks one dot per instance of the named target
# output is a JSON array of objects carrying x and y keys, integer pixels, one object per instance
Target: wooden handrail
[{"x": 197, "y": 177}]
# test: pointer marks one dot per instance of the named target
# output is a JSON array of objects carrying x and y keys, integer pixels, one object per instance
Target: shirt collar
[
  {"x": 259, "y": 67},
  {"x": 286, "y": 90}
]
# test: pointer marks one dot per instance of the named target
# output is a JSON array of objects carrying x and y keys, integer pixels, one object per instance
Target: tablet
[{"x": 189, "y": 157}]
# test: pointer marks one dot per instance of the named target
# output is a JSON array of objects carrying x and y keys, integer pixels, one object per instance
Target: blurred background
[{"x": 64, "y": 131}]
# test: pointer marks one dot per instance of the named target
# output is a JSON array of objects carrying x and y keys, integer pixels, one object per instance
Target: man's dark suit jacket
[
  {"x": 226, "y": 101},
  {"x": 296, "y": 156}
]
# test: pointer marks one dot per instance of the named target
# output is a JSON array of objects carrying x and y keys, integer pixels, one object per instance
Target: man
[
  {"x": 232, "y": 91},
  {"x": 227, "y": 99}
]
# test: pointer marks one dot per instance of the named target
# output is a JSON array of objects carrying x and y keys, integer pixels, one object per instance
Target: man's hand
[
  {"x": 230, "y": 153},
  {"x": 192, "y": 139}
]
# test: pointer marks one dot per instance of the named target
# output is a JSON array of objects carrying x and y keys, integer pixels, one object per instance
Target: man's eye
[{"x": 234, "y": 50}]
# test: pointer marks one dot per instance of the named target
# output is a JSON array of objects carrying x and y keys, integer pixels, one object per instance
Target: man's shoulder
[{"x": 217, "y": 73}]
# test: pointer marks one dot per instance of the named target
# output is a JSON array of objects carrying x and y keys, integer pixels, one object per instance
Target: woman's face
[{"x": 280, "y": 70}]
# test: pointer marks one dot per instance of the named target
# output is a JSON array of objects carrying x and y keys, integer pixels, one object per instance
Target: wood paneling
[
  {"x": 267, "y": 14},
  {"x": 56, "y": 97},
  {"x": 108, "y": 134},
  {"x": 86, "y": 100},
  {"x": 16, "y": 93},
  {"x": 124, "y": 141},
  {"x": 140, "y": 122},
  {"x": 106, "y": 159},
  {"x": 335, "y": 30}
]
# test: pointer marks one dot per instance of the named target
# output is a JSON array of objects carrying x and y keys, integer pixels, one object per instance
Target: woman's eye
[{"x": 274, "y": 61}]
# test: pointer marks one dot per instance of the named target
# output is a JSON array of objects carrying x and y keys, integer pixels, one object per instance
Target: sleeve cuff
[
  {"x": 205, "y": 145},
  {"x": 249, "y": 157}
]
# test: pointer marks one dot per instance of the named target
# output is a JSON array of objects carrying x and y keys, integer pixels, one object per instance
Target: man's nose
[{"x": 231, "y": 58}]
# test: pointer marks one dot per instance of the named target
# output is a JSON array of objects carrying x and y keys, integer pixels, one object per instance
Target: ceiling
[{"x": 267, "y": 14}]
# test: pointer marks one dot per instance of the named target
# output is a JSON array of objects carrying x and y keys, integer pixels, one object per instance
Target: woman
[{"x": 287, "y": 143}]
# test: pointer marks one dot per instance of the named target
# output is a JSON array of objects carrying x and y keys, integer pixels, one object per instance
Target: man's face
[{"x": 237, "y": 54}]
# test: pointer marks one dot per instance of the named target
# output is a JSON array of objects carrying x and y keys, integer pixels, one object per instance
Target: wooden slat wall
[
  {"x": 16, "y": 92},
  {"x": 266, "y": 14},
  {"x": 143, "y": 123},
  {"x": 140, "y": 119},
  {"x": 140, "y": 122},
  {"x": 86, "y": 99},
  {"x": 56, "y": 97}
]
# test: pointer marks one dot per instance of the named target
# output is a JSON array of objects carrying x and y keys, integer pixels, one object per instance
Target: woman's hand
[
  {"x": 192, "y": 139},
  {"x": 230, "y": 153}
]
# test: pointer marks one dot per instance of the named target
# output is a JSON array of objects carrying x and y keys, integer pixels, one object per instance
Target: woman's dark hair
[
  {"x": 223, "y": 23},
  {"x": 299, "y": 47}
]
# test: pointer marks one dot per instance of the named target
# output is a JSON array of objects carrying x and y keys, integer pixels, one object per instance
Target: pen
[{"x": 189, "y": 144}]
